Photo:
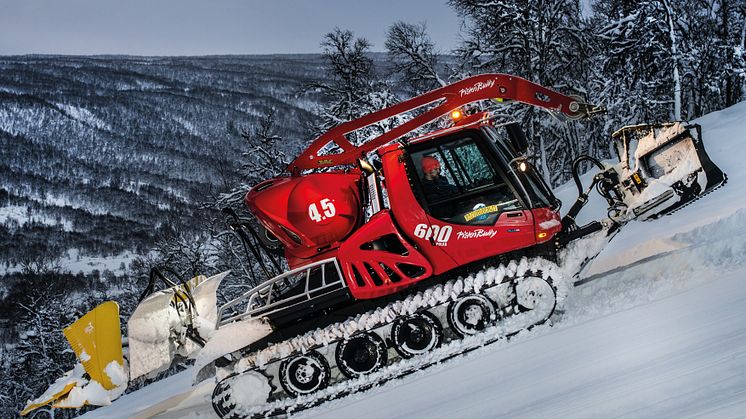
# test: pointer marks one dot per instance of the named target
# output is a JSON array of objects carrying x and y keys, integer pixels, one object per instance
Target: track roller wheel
[
  {"x": 361, "y": 354},
  {"x": 221, "y": 399},
  {"x": 533, "y": 292},
  {"x": 416, "y": 334},
  {"x": 304, "y": 374},
  {"x": 470, "y": 314}
]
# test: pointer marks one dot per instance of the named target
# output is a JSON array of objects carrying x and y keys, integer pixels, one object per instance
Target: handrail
[{"x": 260, "y": 300}]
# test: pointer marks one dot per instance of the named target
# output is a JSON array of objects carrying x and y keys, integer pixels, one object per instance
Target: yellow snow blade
[
  {"x": 97, "y": 341},
  {"x": 48, "y": 398}
]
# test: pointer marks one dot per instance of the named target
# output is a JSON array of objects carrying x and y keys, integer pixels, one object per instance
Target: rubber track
[
  {"x": 367, "y": 385},
  {"x": 370, "y": 384}
]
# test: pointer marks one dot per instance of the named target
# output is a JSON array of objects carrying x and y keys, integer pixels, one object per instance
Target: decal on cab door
[
  {"x": 442, "y": 234},
  {"x": 439, "y": 234}
]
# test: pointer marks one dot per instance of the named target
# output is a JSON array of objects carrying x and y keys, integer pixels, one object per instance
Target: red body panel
[
  {"x": 393, "y": 269},
  {"x": 310, "y": 214},
  {"x": 427, "y": 245}
]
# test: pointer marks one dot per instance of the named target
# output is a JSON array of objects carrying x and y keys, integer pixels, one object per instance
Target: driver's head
[{"x": 430, "y": 166}]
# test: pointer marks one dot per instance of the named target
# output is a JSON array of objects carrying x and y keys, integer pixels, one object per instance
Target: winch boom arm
[{"x": 444, "y": 99}]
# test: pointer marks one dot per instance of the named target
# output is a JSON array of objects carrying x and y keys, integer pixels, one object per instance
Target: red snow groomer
[
  {"x": 395, "y": 211},
  {"x": 393, "y": 225},
  {"x": 418, "y": 244}
]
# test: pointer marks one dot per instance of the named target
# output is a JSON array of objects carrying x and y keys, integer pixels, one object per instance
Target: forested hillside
[{"x": 98, "y": 153}]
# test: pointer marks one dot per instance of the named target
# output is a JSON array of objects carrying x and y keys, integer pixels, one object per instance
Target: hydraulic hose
[
  {"x": 568, "y": 221},
  {"x": 576, "y": 169}
]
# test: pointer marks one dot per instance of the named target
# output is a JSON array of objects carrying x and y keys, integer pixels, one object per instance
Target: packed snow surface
[
  {"x": 85, "y": 391},
  {"x": 654, "y": 328},
  {"x": 673, "y": 357}
]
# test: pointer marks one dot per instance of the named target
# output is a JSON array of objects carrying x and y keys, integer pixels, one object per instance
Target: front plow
[{"x": 663, "y": 167}]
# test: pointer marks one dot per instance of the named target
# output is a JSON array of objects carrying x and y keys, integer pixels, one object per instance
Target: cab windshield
[{"x": 460, "y": 183}]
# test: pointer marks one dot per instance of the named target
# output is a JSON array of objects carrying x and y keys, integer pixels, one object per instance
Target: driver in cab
[{"x": 434, "y": 185}]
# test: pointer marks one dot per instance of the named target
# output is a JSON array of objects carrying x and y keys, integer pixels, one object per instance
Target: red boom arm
[{"x": 472, "y": 89}]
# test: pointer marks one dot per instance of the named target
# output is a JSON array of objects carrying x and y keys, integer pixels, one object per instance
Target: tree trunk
[
  {"x": 675, "y": 59},
  {"x": 742, "y": 44}
]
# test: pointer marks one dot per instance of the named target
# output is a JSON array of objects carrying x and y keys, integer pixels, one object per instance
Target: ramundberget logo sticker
[{"x": 481, "y": 212}]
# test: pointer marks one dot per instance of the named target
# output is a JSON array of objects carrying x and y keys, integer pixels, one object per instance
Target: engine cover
[{"x": 309, "y": 214}]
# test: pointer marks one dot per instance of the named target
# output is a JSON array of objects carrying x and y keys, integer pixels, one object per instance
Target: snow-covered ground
[
  {"x": 73, "y": 262},
  {"x": 21, "y": 215},
  {"x": 655, "y": 329}
]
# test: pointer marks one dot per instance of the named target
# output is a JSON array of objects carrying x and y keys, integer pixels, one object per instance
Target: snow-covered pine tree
[
  {"x": 730, "y": 23},
  {"x": 639, "y": 59},
  {"x": 350, "y": 84},
  {"x": 545, "y": 42},
  {"x": 712, "y": 33},
  {"x": 263, "y": 158},
  {"x": 40, "y": 306},
  {"x": 414, "y": 57}
]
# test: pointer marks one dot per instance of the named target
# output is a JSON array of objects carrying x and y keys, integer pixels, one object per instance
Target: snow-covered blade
[
  {"x": 168, "y": 322},
  {"x": 663, "y": 167},
  {"x": 97, "y": 342}
]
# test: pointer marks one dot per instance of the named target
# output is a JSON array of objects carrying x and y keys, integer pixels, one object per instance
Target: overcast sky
[{"x": 192, "y": 27}]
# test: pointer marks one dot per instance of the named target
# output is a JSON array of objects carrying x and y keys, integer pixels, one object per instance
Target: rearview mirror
[{"x": 518, "y": 140}]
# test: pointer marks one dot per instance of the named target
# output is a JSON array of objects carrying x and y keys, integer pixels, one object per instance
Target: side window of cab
[{"x": 460, "y": 184}]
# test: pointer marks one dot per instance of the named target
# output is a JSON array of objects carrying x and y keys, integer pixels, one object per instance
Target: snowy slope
[
  {"x": 672, "y": 357},
  {"x": 655, "y": 329}
]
